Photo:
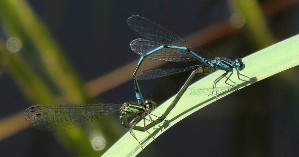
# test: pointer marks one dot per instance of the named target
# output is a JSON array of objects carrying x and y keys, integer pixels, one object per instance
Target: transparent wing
[
  {"x": 143, "y": 46},
  {"x": 154, "y": 32},
  {"x": 157, "y": 73},
  {"x": 58, "y": 117}
]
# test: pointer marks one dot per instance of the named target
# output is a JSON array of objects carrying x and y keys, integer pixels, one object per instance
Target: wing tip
[{"x": 130, "y": 18}]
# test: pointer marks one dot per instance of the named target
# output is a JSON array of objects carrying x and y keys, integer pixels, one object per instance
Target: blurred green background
[{"x": 55, "y": 52}]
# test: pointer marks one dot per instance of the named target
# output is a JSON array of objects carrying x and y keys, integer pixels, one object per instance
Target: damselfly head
[
  {"x": 150, "y": 105},
  {"x": 238, "y": 64}
]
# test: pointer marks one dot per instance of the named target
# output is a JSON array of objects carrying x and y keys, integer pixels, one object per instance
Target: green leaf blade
[{"x": 260, "y": 65}]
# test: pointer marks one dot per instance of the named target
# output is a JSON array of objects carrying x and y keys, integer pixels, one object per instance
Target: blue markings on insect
[
  {"x": 161, "y": 44},
  {"x": 154, "y": 50}
]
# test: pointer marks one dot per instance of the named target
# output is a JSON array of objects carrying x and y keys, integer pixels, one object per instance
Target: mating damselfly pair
[{"x": 157, "y": 43}]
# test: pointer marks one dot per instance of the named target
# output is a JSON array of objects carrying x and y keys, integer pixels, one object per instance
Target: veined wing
[
  {"x": 154, "y": 32},
  {"x": 58, "y": 117},
  {"x": 143, "y": 46},
  {"x": 157, "y": 73}
]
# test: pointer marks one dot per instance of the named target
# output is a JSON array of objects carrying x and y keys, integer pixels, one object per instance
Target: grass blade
[{"x": 260, "y": 65}]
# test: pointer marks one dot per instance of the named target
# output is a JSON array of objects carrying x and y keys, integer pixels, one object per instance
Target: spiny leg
[
  {"x": 131, "y": 132},
  {"x": 229, "y": 78},
  {"x": 149, "y": 115},
  {"x": 238, "y": 74},
  {"x": 216, "y": 81},
  {"x": 132, "y": 125},
  {"x": 144, "y": 125},
  {"x": 153, "y": 115},
  {"x": 148, "y": 119},
  {"x": 139, "y": 128}
]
